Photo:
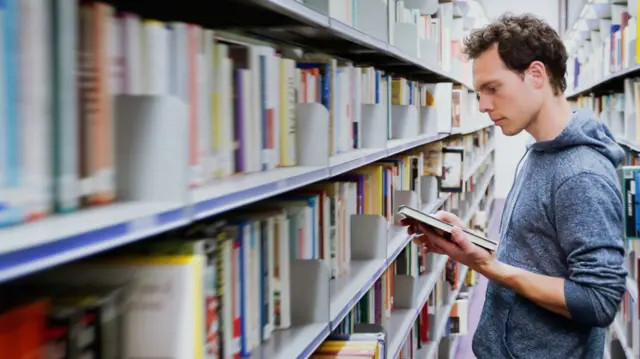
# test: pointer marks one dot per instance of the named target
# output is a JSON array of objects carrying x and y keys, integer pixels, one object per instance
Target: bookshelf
[
  {"x": 602, "y": 75},
  {"x": 220, "y": 130}
]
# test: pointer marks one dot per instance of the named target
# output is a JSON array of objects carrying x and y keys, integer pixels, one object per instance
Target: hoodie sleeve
[{"x": 589, "y": 220}]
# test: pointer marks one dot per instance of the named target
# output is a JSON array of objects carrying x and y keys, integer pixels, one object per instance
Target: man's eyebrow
[{"x": 486, "y": 84}]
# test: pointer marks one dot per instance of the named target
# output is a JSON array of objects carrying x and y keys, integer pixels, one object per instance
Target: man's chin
[{"x": 509, "y": 131}]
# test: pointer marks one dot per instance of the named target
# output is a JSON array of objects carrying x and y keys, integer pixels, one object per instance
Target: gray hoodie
[{"x": 564, "y": 218}]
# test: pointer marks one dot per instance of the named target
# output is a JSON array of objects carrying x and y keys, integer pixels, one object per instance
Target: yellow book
[
  {"x": 397, "y": 91},
  {"x": 373, "y": 198},
  {"x": 637, "y": 35},
  {"x": 347, "y": 349}
]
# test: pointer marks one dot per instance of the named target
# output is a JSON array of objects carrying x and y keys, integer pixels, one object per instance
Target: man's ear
[{"x": 537, "y": 73}]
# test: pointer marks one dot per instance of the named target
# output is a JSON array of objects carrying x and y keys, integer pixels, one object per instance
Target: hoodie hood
[{"x": 584, "y": 129}]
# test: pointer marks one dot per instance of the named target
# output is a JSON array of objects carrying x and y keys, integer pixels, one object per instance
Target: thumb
[
  {"x": 460, "y": 239},
  {"x": 448, "y": 217}
]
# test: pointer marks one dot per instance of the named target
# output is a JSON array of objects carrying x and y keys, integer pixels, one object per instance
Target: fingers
[
  {"x": 449, "y": 218},
  {"x": 414, "y": 229},
  {"x": 460, "y": 239}
]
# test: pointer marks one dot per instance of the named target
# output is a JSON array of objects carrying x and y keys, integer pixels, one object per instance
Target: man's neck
[{"x": 552, "y": 118}]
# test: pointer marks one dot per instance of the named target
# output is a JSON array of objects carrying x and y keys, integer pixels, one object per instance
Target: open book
[{"x": 444, "y": 228}]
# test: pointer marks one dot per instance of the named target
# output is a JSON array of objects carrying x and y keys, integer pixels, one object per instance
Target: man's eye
[{"x": 492, "y": 89}]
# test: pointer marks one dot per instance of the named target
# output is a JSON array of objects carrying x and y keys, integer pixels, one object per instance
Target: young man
[{"x": 558, "y": 276}]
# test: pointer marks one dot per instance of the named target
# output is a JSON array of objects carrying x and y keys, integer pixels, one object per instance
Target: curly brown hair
[{"x": 522, "y": 39}]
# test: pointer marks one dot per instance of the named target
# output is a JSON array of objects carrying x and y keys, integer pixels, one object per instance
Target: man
[{"x": 558, "y": 276}]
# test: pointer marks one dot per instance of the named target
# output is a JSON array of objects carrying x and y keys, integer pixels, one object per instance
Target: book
[{"x": 444, "y": 228}]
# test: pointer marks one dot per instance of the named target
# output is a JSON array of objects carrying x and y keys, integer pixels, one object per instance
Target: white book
[
  {"x": 131, "y": 32},
  {"x": 205, "y": 97},
  {"x": 271, "y": 243},
  {"x": 288, "y": 112},
  {"x": 248, "y": 148},
  {"x": 282, "y": 283},
  {"x": 156, "y": 38},
  {"x": 227, "y": 120},
  {"x": 35, "y": 106}
]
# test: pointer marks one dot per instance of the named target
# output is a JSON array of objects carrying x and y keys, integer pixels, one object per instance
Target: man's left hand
[{"x": 459, "y": 248}]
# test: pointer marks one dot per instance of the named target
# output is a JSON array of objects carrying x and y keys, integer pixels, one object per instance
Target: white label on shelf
[
  {"x": 196, "y": 174},
  {"x": 142, "y": 224},
  {"x": 214, "y": 164},
  {"x": 87, "y": 186},
  {"x": 104, "y": 181},
  {"x": 225, "y": 159},
  {"x": 208, "y": 165}
]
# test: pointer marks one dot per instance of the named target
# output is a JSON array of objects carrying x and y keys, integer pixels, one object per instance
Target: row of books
[
  {"x": 409, "y": 28},
  {"x": 241, "y": 99},
  {"x": 604, "y": 44},
  {"x": 617, "y": 109}
]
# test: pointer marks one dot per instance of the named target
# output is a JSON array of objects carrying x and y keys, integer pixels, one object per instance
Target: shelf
[
  {"x": 629, "y": 144},
  {"x": 397, "y": 146},
  {"x": 612, "y": 81},
  {"x": 441, "y": 324},
  {"x": 236, "y": 191},
  {"x": 58, "y": 239},
  {"x": 31, "y": 247},
  {"x": 348, "y": 161},
  {"x": 402, "y": 320},
  {"x": 293, "y": 342}
]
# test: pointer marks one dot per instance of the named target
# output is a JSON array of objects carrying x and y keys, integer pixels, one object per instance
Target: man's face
[{"x": 507, "y": 97}]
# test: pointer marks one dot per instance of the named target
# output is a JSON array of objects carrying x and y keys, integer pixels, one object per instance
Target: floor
[{"x": 477, "y": 301}]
